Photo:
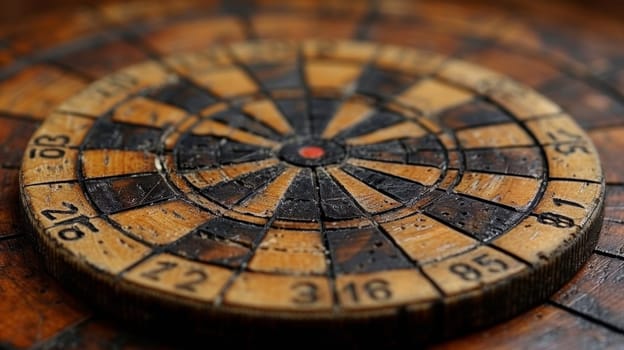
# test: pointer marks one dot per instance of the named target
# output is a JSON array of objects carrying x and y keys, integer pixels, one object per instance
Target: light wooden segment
[
  {"x": 386, "y": 288},
  {"x": 206, "y": 112},
  {"x": 218, "y": 210},
  {"x": 111, "y": 162},
  {"x": 245, "y": 217},
  {"x": 62, "y": 129},
  {"x": 555, "y": 130},
  {"x": 342, "y": 50},
  {"x": 161, "y": 223},
  {"x": 143, "y": 111},
  {"x": 426, "y": 175},
  {"x": 58, "y": 202},
  {"x": 449, "y": 179},
  {"x": 431, "y": 96},
  {"x": 499, "y": 135},
  {"x": 211, "y": 177},
  {"x": 297, "y": 225},
  {"x": 266, "y": 112},
  {"x": 172, "y": 274},
  {"x": 291, "y": 252},
  {"x": 264, "y": 291},
  {"x": 351, "y": 223},
  {"x": 425, "y": 239},
  {"x": 99, "y": 244},
  {"x": 332, "y": 75},
  {"x": 349, "y": 113},
  {"x": 533, "y": 241},
  {"x": 173, "y": 136},
  {"x": 188, "y": 64},
  {"x": 573, "y": 199},
  {"x": 514, "y": 191},
  {"x": 37, "y": 90},
  {"x": 582, "y": 162},
  {"x": 367, "y": 197},
  {"x": 408, "y": 60},
  {"x": 168, "y": 164},
  {"x": 405, "y": 111},
  {"x": 470, "y": 270},
  {"x": 211, "y": 127},
  {"x": 397, "y": 131},
  {"x": 36, "y": 169},
  {"x": 447, "y": 141},
  {"x": 265, "y": 202},
  {"x": 265, "y": 51},
  {"x": 523, "y": 102},
  {"x": 102, "y": 95},
  {"x": 226, "y": 82}
]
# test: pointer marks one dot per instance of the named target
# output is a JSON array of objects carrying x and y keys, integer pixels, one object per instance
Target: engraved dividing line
[
  {"x": 212, "y": 177},
  {"x": 350, "y": 113},
  {"x": 265, "y": 202},
  {"x": 426, "y": 175},
  {"x": 370, "y": 199},
  {"x": 210, "y": 127},
  {"x": 397, "y": 131}
]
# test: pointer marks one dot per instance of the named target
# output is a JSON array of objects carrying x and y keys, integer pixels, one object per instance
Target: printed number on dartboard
[
  {"x": 49, "y": 146},
  {"x": 74, "y": 226},
  {"x": 374, "y": 290},
  {"x": 568, "y": 143},
  {"x": 478, "y": 267},
  {"x": 187, "y": 279}
]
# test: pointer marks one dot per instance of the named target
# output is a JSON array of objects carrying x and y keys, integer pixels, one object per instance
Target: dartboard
[{"x": 312, "y": 181}]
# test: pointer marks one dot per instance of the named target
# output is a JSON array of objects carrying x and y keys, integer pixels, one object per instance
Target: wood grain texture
[
  {"x": 564, "y": 50},
  {"x": 199, "y": 248}
]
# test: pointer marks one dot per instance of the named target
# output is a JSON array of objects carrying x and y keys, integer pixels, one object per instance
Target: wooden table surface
[{"x": 568, "y": 51}]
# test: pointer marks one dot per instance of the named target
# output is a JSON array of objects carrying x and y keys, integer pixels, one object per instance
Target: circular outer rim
[{"x": 418, "y": 322}]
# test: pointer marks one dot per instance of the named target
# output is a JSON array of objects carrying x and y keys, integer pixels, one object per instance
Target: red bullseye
[{"x": 311, "y": 152}]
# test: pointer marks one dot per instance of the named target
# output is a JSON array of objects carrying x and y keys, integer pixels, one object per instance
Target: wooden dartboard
[{"x": 280, "y": 185}]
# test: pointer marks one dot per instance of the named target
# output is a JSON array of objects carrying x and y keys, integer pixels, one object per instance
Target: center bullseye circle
[{"x": 311, "y": 152}]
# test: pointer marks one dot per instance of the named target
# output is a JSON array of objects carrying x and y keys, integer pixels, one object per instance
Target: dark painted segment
[
  {"x": 322, "y": 111},
  {"x": 205, "y": 246},
  {"x": 515, "y": 161},
  {"x": 184, "y": 95},
  {"x": 378, "y": 82},
  {"x": 335, "y": 203},
  {"x": 118, "y": 194},
  {"x": 427, "y": 142},
  {"x": 391, "y": 151},
  {"x": 196, "y": 152},
  {"x": 224, "y": 228},
  {"x": 235, "y": 152},
  {"x": 377, "y": 121},
  {"x": 239, "y": 120},
  {"x": 231, "y": 192},
  {"x": 362, "y": 250},
  {"x": 481, "y": 219},
  {"x": 300, "y": 202},
  {"x": 473, "y": 114},
  {"x": 398, "y": 188},
  {"x": 426, "y": 150},
  {"x": 277, "y": 76},
  {"x": 294, "y": 109},
  {"x": 109, "y": 135},
  {"x": 432, "y": 158}
]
